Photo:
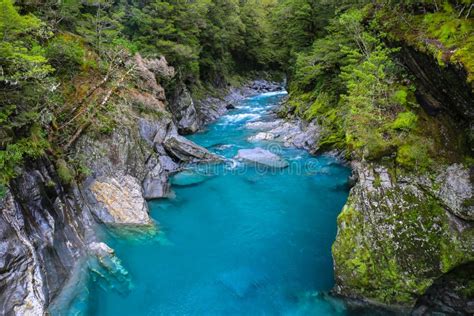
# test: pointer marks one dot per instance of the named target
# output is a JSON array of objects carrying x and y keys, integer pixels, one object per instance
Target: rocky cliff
[
  {"x": 398, "y": 233},
  {"x": 48, "y": 225},
  {"x": 402, "y": 231}
]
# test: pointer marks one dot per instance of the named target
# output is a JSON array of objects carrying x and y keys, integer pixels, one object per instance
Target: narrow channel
[{"x": 234, "y": 239}]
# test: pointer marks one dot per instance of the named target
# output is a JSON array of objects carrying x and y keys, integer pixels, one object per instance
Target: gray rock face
[
  {"x": 156, "y": 184},
  {"x": 456, "y": 191},
  {"x": 42, "y": 233},
  {"x": 290, "y": 133},
  {"x": 119, "y": 200},
  {"x": 148, "y": 71},
  {"x": 184, "y": 150},
  {"x": 262, "y": 86},
  {"x": 397, "y": 214},
  {"x": 261, "y": 156},
  {"x": 184, "y": 112}
]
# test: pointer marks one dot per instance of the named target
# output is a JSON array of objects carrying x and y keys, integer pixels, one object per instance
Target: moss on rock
[{"x": 394, "y": 240}]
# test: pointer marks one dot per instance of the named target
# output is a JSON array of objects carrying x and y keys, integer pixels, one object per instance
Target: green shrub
[
  {"x": 400, "y": 97},
  {"x": 413, "y": 156},
  {"x": 66, "y": 53},
  {"x": 405, "y": 121},
  {"x": 64, "y": 172},
  {"x": 3, "y": 191}
]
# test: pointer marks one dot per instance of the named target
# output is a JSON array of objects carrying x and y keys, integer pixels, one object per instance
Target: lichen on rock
[{"x": 395, "y": 238}]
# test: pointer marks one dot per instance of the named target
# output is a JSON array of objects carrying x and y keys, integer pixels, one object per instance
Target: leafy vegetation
[
  {"x": 60, "y": 59},
  {"x": 347, "y": 76}
]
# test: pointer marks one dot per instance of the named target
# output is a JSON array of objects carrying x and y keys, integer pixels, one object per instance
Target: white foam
[
  {"x": 240, "y": 117},
  {"x": 269, "y": 94}
]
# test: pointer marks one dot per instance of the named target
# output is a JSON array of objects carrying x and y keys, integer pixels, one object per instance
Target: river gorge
[
  {"x": 293, "y": 157},
  {"x": 233, "y": 238}
]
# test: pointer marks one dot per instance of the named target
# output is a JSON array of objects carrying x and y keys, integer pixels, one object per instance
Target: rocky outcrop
[
  {"x": 454, "y": 189},
  {"x": 260, "y": 156},
  {"x": 396, "y": 234},
  {"x": 184, "y": 150},
  {"x": 134, "y": 161},
  {"x": 43, "y": 233},
  {"x": 292, "y": 133},
  {"x": 184, "y": 112},
  {"x": 452, "y": 294},
  {"x": 263, "y": 86},
  {"x": 119, "y": 201}
]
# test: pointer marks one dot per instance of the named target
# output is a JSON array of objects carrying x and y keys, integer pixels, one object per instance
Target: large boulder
[
  {"x": 184, "y": 111},
  {"x": 184, "y": 150},
  {"x": 119, "y": 201},
  {"x": 395, "y": 237},
  {"x": 260, "y": 156},
  {"x": 295, "y": 133},
  {"x": 261, "y": 137}
]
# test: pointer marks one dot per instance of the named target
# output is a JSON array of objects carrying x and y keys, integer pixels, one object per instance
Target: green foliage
[
  {"x": 24, "y": 84},
  {"x": 64, "y": 172},
  {"x": 406, "y": 121},
  {"x": 66, "y": 53},
  {"x": 350, "y": 82},
  {"x": 13, "y": 153},
  {"x": 444, "y": 30},
  {"x": 413, "y": 155},
  {"x": 297, "y": 23},
  {"x": 400, "y": 97}
]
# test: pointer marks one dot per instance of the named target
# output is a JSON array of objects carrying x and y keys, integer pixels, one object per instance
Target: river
[{"x": 234, "y": 239}]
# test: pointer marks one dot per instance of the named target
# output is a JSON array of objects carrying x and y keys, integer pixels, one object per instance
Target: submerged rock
[
  {"x": 188, "y": 177},
  {"x": 241, "y": 281},
  {"x": 262, "y": 157},
  {"x": 119, "y": 201},
  {"x": 108, "y": 269}
]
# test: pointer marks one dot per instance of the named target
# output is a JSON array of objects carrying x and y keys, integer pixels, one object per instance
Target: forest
[{"x": 333, "y": 53}]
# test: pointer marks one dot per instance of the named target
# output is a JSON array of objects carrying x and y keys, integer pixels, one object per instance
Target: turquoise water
[{"x": 235, "y": 240}]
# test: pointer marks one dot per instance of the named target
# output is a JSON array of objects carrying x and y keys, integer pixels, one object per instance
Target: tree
[{"x": 24, "y": 72}]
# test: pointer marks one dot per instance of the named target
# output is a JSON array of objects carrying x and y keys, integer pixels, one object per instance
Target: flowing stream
[{"x": 234, "y": 239}]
